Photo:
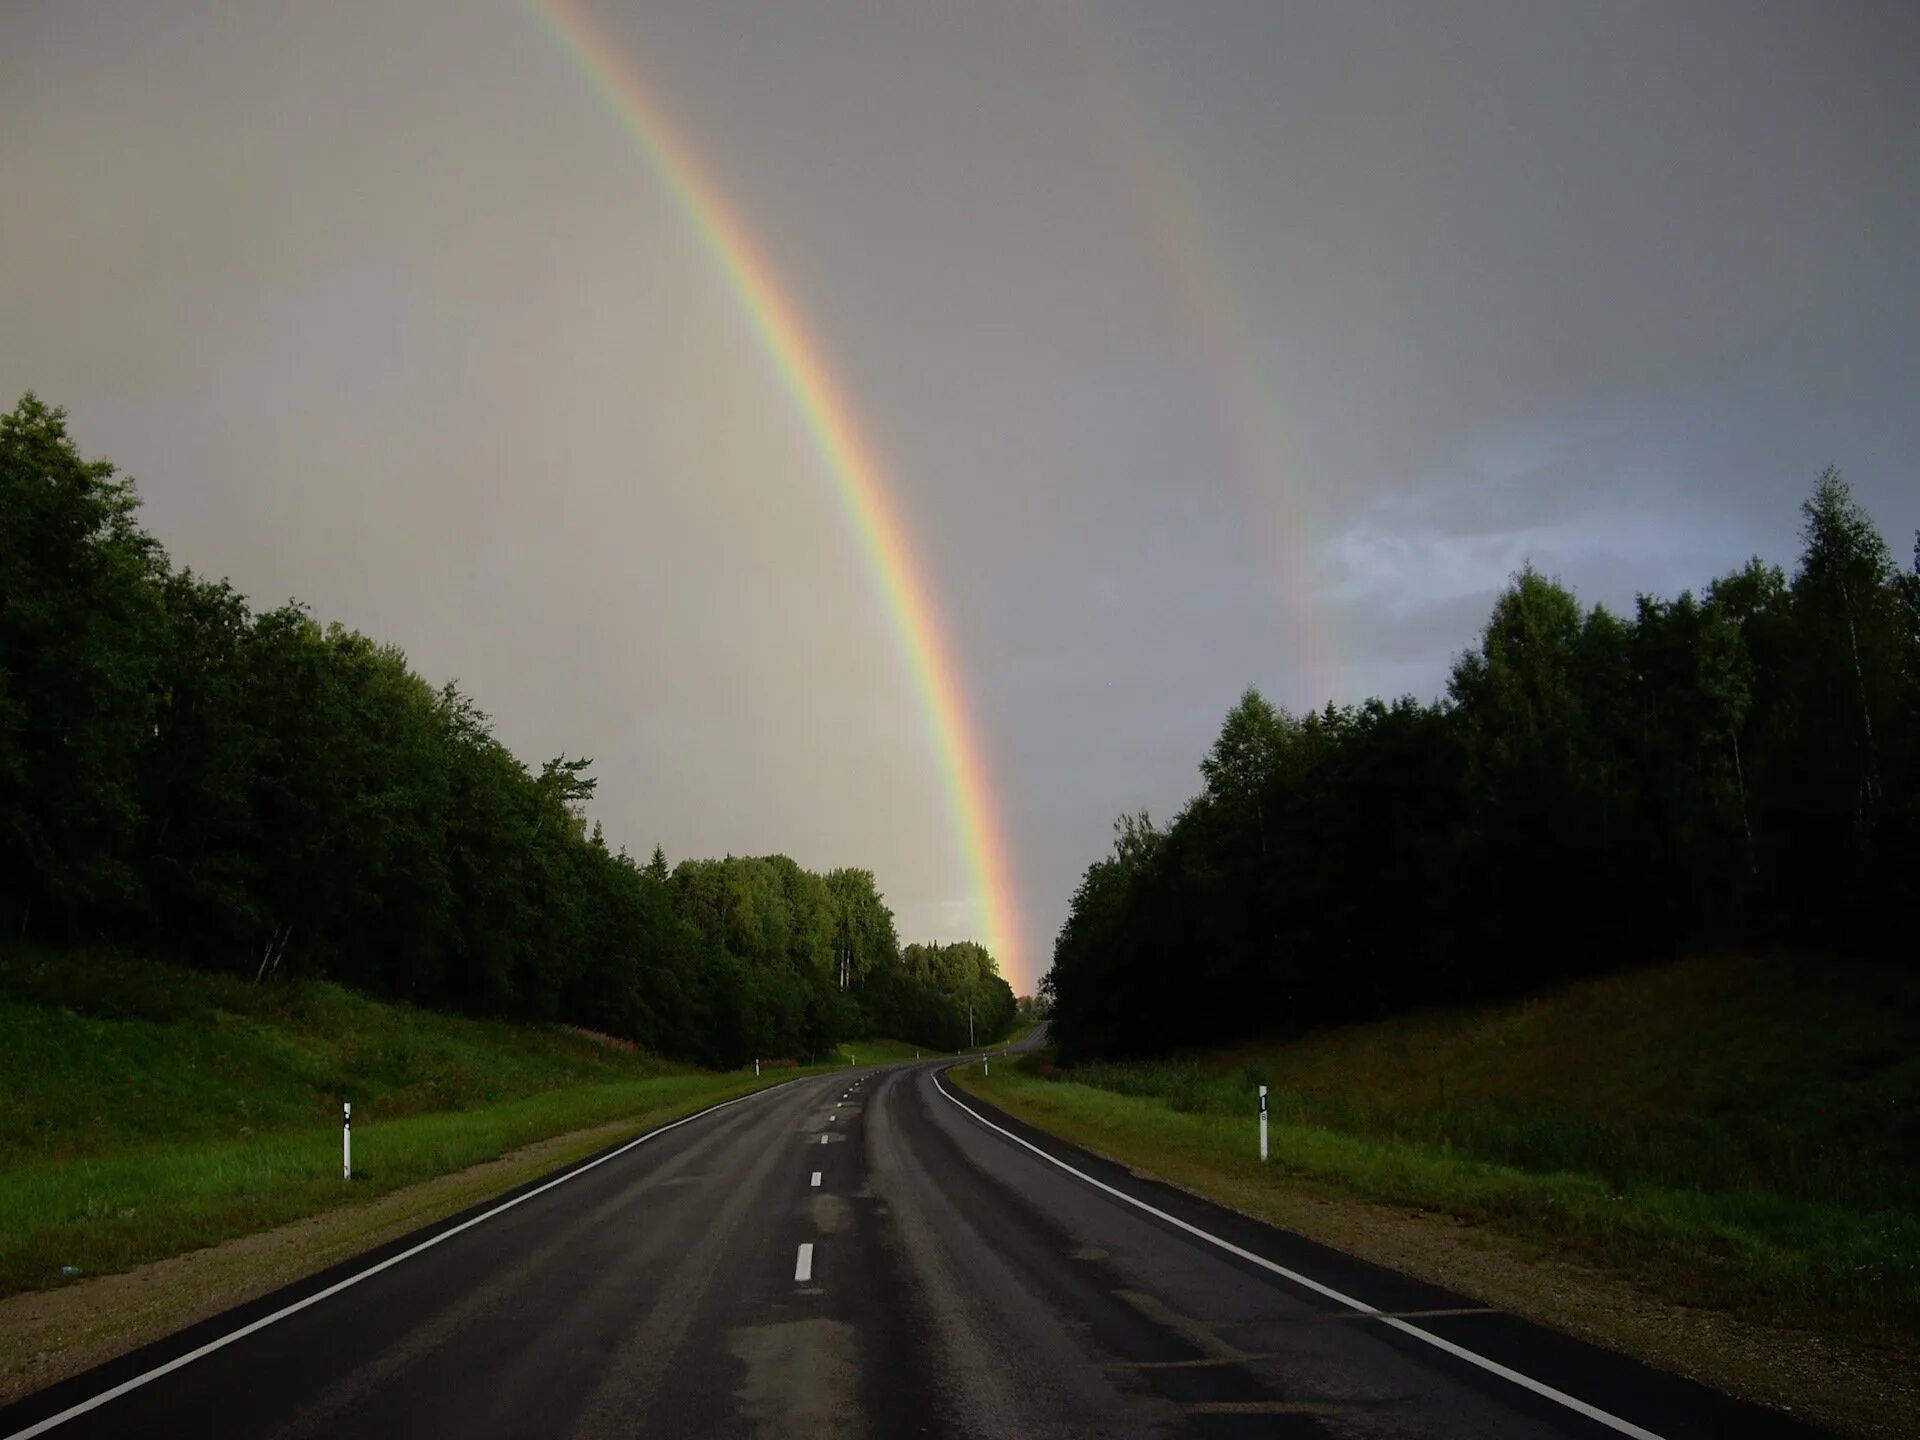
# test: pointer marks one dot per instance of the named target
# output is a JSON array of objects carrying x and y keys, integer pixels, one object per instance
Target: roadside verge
[
  {"x": 1847, "y": 1384},
  {"x": 49, "y": 1335}
]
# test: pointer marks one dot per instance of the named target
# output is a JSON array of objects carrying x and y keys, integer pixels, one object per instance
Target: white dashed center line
[
  {"x": 803, "y": 1264},
  {"x": 816, "y": 1179},
  {"x": 823, "y": 1139}
]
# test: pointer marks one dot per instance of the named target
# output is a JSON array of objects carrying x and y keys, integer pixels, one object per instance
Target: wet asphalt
[{"x": 957, "y": 1284}]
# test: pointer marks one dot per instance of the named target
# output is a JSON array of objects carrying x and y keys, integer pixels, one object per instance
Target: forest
[
  {"x": 265, "y": 794},
  {"x": 1730, "y": 771}
]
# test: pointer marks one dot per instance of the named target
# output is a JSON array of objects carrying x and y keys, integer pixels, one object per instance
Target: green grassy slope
[
  {"x": 1732, "y": 1132},
  {"x": 878, "y": 1052},
  {"x": 153, "y": 1109}
]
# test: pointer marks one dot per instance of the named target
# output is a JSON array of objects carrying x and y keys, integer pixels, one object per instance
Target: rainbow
[
  {"x": 1192, "y": 260},
  {"x": 781, "y": 329}
]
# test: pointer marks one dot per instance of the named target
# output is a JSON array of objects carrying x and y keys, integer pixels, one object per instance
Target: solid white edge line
[
  {"x": 73, "y": 1412},
  {"x": 803, "y": 1263},
  {"x": 1492, "y": 1367}
]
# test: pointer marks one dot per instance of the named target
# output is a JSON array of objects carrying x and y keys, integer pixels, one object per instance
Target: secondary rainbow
[
  {"x": 782, "y": 331},
  {"x": 1193, "y": 260}
]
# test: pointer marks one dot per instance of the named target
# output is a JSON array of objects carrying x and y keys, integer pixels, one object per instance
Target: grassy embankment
[
  {"x": 877, "y": 1052},
  {"x": 885, "y": 1052},
  {"x": 152, "y": 1110},
  {"x": 1734, "y": 1134}
]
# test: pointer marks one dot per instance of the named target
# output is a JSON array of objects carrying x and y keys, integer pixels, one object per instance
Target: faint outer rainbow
[
  {"x": 1193, "y": 260},
  {"x": 777, "y": 322}
]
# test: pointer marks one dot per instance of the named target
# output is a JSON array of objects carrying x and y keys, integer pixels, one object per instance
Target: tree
[
  {"x": 268, "y": 793},
  {"x": 196, "y": 785},
  {"x": 1596, "y": 789},
  {"x": 1246, "y": 756},
  {"x": 1533, "y": 772},
  {"x": 863, "y": 933},
  {"x": 80, "y": 620},
  {"x": 1845, "y": 607},
  {"x": 1847, "y": 629}
]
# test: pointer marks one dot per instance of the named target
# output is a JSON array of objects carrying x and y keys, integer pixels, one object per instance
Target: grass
[
  {"x": 152, "y": 1110},
  {"x": 1733, "y": 1133},
  {"x": 878, "y": 1052},
  {"x": 882, "y": 1052}
]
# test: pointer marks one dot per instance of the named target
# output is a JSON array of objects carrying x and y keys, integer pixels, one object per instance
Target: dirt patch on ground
[
  {"x": 1846, "y": 1384},
  {"x": 47, "y": 1335}
]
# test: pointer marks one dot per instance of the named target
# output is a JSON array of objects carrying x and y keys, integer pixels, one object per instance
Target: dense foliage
[
  {"x": 266, "y": 794},
  {"x": 1737, "y": 767},
  {"x": 947, "y": 996}
]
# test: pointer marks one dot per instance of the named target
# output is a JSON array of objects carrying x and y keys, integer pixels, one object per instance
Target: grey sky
[{"x": 384, "y": 311}]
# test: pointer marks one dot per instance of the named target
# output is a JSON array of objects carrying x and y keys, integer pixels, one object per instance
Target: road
[{"x": 880, "y": 1256}]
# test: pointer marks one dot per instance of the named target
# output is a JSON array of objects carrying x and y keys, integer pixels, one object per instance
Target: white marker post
[
  {"x": 756, "y": 1069},
  {"x": 346, "y": 1140},
  {"x": 986, "y": 1066},
  {"x": 1263, "y": 1122}
]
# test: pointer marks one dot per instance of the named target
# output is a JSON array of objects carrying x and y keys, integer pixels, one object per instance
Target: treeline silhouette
[
  {"x": 1736, "y": 768},
  {"x": 266, "y": 794}
]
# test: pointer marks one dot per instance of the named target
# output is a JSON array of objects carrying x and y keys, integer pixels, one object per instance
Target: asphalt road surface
[{"x": 868, "y": 1256}]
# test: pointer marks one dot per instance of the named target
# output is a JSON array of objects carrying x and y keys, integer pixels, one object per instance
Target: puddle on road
[
  {"x": 828, "y": 1213},
  {"x": 1197, "y": 1333},
  {"x": 802, "y": 1379}
]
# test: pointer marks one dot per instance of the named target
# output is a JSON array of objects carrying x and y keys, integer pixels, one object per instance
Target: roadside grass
[
  {"x": 104, "y": 1052},
  {"x": 103, "y": 1215},
  {"x": 878, "y": 1052},
  {"x": 882, "y": 1052},
  {"x": 1735, "y": 1134},
  {"x": 152, "y": 1109}
]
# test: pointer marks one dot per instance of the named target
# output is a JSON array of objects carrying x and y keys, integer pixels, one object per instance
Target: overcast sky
[{"x": 1204, "y": 345}]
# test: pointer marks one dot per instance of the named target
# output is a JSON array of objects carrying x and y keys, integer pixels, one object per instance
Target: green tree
[
  {"x": 1847, "y": 628},
  {"x": 863, "y": 932},
  {"x": 80, "y": 625},
  {"x": 1246, "y": 756},
  {"x": 202, "y": 872}
]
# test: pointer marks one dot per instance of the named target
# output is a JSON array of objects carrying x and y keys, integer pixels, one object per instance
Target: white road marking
[
  {"x": 823, "y": 1139},
  {"x": 1492, "y": 1367},
  {"x": 803, "y": 1264},
  {"x": 816, "y": 1179},
  {"x": 178, "y": 1362}
]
